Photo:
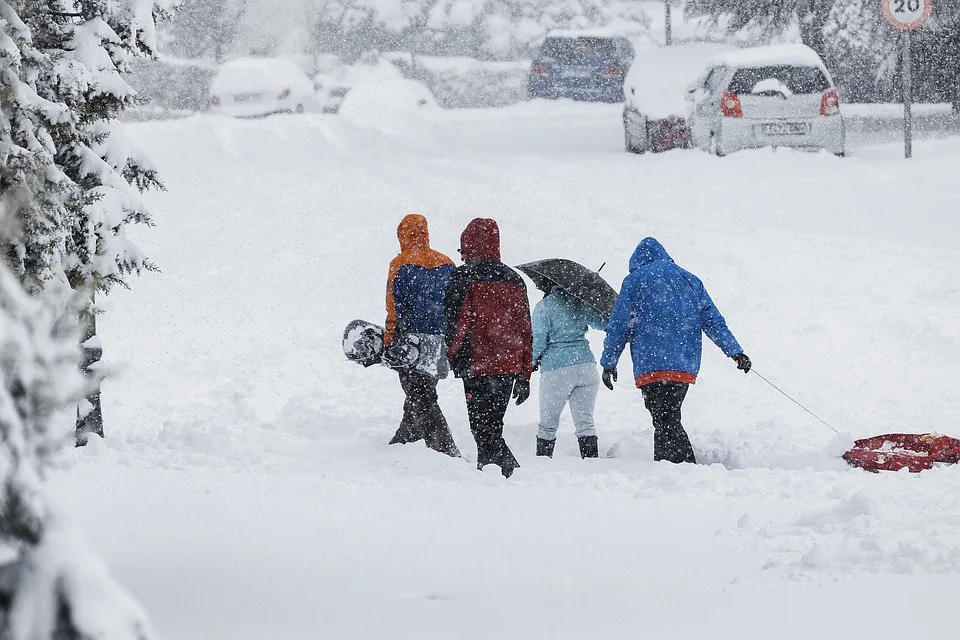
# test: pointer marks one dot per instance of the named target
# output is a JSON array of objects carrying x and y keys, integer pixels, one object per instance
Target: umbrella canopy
[{"x": 583, "y": 284}]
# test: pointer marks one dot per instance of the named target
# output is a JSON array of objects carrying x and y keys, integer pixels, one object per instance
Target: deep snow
[{"x": 245, "y": 488}]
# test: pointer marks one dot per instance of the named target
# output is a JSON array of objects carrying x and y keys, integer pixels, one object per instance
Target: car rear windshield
[
  {"x": 797, "y": 79},
  {"x": 578, "y": 48}
]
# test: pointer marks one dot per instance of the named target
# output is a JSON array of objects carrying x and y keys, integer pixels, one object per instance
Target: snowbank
[
  {"x": 386, "y": 105},
  {"x": 894, "y": 110}
]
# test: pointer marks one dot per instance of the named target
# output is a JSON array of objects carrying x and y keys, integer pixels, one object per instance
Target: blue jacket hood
[{"x": 647, "y": 252}]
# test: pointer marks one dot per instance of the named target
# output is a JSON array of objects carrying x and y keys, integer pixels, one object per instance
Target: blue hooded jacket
[
  {"x": 662, "y": 310},
  {"x": 560, "y": 324}
]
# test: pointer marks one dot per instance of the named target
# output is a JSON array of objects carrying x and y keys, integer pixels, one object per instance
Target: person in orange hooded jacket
[{"x": 416, "y": 284}]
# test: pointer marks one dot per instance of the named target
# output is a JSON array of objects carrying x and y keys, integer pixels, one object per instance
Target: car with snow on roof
[
  {"x": 254, "y": 87},
  {"x": 331, "y": 87},
  {"x": 774, "y": 96},
  {"x": 582, "y": 65},
  {"x": 330, "y": 92},
  {"x": 655, "y": 112}
]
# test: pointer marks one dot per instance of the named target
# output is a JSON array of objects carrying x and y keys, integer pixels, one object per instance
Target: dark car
[{"x": 581, "y": 66}]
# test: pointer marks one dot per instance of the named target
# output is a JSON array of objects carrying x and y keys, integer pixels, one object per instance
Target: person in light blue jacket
[{"x": 568, "y": 370}]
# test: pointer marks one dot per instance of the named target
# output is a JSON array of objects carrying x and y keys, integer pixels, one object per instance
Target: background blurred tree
[
  {"x": 771, "y": 17},
  {"x": 861, "y": 50},
  {"x": 205, "y": 28}
]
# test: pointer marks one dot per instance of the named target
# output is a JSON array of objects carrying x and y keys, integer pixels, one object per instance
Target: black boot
[
  {"x": 545, "y": 447},
  {"x": 589, "y": 448}
]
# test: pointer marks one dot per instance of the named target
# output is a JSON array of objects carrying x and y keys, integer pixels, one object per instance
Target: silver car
[{"x": 779, "y": 96}]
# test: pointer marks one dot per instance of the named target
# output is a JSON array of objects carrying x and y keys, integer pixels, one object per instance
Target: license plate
[
  {"x": 578, "y": 72},
  {"x": 783, "y": 128},
  {"x": 247, "y": 97}
]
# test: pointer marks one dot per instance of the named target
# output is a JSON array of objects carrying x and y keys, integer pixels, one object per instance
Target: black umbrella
[{"x": 583, "y": 284}]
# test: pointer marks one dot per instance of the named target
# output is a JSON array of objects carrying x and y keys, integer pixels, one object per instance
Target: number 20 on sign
[{"x": 906, "y": 15}]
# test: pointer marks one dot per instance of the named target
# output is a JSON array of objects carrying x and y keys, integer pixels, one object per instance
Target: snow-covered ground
[{"x": 245, "y": 488}]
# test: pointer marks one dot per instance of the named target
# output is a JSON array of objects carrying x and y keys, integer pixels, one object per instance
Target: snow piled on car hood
[{"x": 658, "y": 79}]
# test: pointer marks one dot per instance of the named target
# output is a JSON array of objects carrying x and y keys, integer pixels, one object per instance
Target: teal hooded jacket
[{"x": 560, "y": 324}]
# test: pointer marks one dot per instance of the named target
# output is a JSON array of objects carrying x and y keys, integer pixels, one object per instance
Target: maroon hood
[{"x": 480, "y": 240}]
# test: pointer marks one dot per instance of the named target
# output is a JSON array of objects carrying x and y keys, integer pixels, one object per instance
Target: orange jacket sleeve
[{"x": 391, "y": 323}]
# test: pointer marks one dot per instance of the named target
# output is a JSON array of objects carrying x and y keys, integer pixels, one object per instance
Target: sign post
[
  {"x": 907, "y": 98},
  {"x": 906, "y": 15},
  {"x": 668, "y": 21}
]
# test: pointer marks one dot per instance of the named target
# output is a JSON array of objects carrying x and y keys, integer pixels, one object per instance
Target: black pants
[
  {"x": 670, "y": 441},
  {"x": 487, "y": 400},
  {"x": 422, "y": 418}
]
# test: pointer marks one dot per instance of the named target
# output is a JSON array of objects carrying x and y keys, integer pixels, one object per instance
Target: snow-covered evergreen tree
[
  {"x": 88, "y": 44},
  {"x": 30, "y": 182},
  {"x": 54, "y": 587},
  {"x": 51, "y": 586},
  {"x": 69, "y": 58}
]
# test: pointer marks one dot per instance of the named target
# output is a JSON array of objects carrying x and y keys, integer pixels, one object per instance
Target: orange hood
[{"x": 412, "y": 233}]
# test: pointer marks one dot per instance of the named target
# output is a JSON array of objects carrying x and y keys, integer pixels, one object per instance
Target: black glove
[
  {"x": 609, "y": 377},
  {"x": 521, "y": 390},
  {"x": 743, "y": 362}
]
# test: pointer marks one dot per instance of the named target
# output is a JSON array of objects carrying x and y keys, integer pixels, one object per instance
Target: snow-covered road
[{"x": 245, "y": 489}]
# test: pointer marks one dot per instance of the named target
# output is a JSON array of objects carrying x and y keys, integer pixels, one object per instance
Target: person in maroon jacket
[{"x": 489, "y": 339}]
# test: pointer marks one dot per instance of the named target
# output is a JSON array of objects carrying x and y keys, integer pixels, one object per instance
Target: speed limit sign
[{"x": 906, "y": 15}]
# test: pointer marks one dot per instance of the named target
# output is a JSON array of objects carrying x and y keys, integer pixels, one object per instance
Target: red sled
[{"x": 912, "y": 451}]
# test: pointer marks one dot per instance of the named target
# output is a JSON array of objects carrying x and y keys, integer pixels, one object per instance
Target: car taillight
[
  {"x": 613, "y": 72},
  {"x": 730, "y": 106},
  {"x": 830, "y": 104},
  {"x": 539, "y": 70},
  {"x": 214, "y": 101},
  {"x": 285, "y": 94}
]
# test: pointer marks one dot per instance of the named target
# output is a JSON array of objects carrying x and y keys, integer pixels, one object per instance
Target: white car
[
  {"x": 388, "y": 102},
  {"x": 251, "y": 87},
  {"x": 777, "y": 96},
  {"x": 333, "y": 86},
  {"x": 329, "y": 92},
  {"x": 655, "y": 112}
]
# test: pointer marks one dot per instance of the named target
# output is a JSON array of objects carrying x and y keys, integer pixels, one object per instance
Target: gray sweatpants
[{"x": 578, "y": 385}]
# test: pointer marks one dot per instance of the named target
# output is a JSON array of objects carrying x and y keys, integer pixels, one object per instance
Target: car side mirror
[{"x": 691, "y": 93}]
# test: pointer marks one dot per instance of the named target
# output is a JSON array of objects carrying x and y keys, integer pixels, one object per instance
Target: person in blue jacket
[
  {"x": 568, "y": 370},
  {"x": 662, "y": 310}
]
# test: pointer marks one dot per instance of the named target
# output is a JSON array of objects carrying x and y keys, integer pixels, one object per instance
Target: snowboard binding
[{"x": 363, "y": 343}]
